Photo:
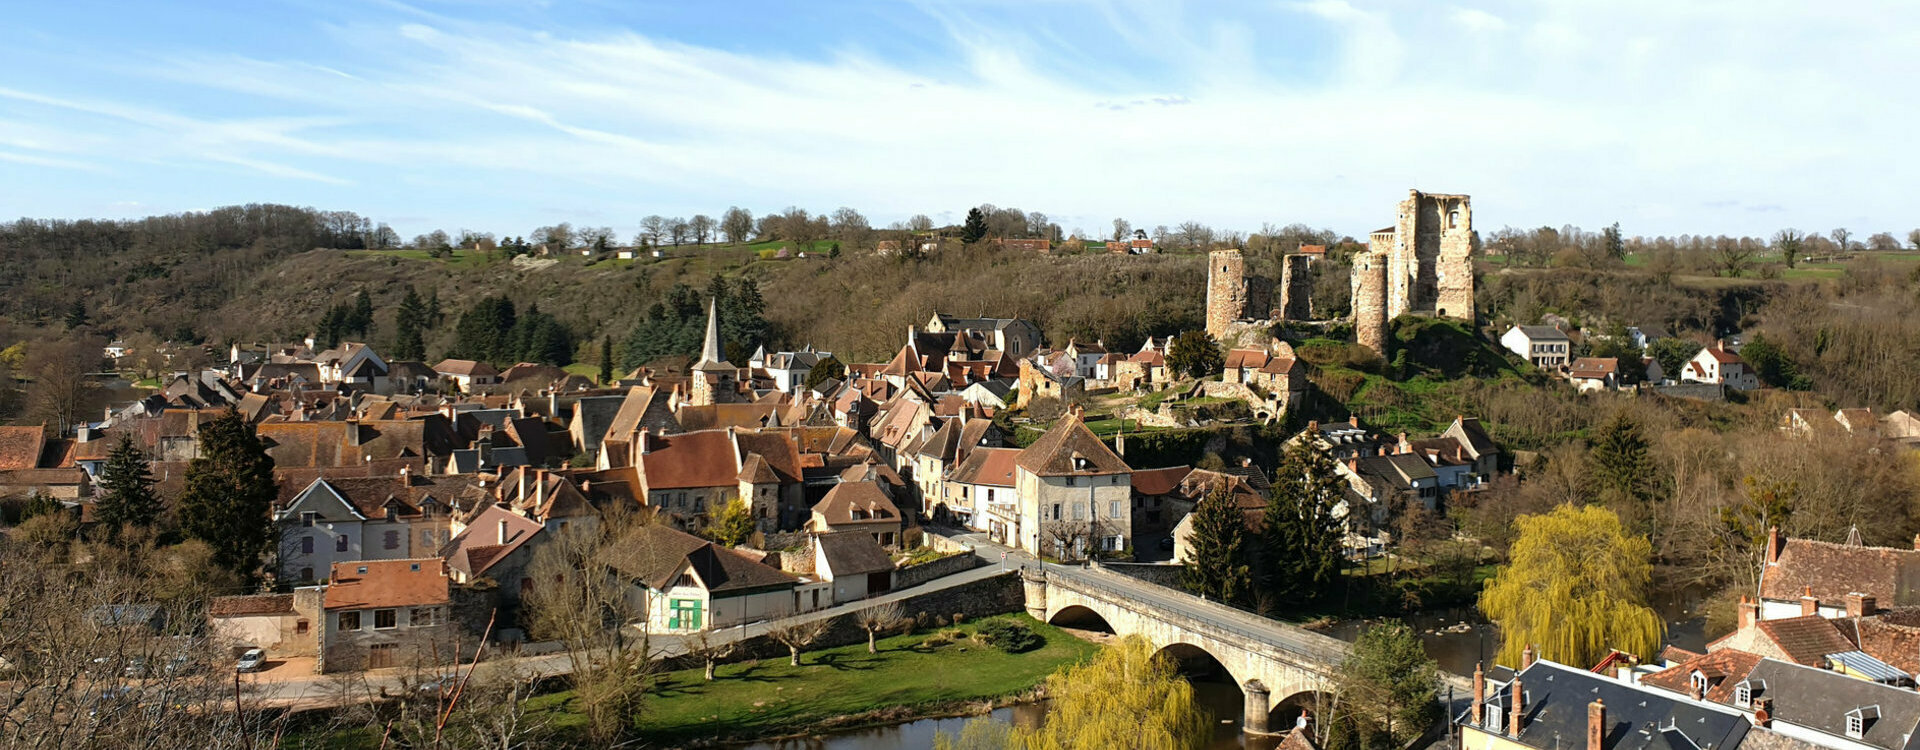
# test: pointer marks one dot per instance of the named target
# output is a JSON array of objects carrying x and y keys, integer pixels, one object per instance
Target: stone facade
[
  {"x": 1296, "y": 288},
  {"x": 1370, "y": 301}
]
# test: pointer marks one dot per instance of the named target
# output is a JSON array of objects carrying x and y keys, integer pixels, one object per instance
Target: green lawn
[
  {"x": 588, "y": 370},
  {"x": 770, "y": 698},
  {"x": 847, "y": 680}
]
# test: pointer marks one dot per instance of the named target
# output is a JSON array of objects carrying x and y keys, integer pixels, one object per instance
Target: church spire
[{"x": 711, "y": 354}]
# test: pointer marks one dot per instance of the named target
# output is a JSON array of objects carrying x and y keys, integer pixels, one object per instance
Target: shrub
[
  {"x": 936, "y": 640},
  {"x": 1011, "y": 636}
]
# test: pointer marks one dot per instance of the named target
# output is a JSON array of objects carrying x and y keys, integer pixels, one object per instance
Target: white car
[{"x": 252, "y": 661}]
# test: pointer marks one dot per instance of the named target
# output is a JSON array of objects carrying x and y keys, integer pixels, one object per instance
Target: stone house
[
  {"x": 857, "y": 506},
  {"x": 1378, "y": 487},
  {"x": 1808, "y": 577},
  {"x": 979, "y": 484},
  {"x": 680, "y": 582},
  {"x": 282, "y": 624},
  {"x": 387, "y": 613},
  {"x": 1076, "y": 495},
  {"x": 689, "y": 476},
  {"x": 1546, "y": 347},
  {"x": 498, "y": 545},
  {"x": 1145, "y": 370},
  {"x": 1589, "y": 374}
]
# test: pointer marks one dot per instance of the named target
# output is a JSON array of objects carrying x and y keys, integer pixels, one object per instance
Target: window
[
  {"x": 1859, "y": 719},
  {"x": 300, "y": 628},
  {"x": 362, "y": 569},
  {"x": 393, "y": 540},
  {"x": 306, "y": 574},
  {"x": 309, "y": 518},
  {"x": 1491, "y": 717},
  {"x": 686, "y": 580},
  {"x": 1073, "y": 481},
  {"x": 384, "y": 619},
  {"x": 414, "y": 568},
  {"x": 1079, "y": 512},
  {"x": 1700, "y": 683},
  {"x": 426, "y": 539},
  {"x": 349, "y": 620},
  {"x": 686, "y": 614},
  {"x": 340, "y": 544},
  {"x": 306, "y": 545},
  {"x": 392, "y": 514},
  {"x": 1113, "y": 508},
  {"x": 1743, "y": 694}
]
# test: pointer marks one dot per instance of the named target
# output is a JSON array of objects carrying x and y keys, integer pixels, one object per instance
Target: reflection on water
[{"x": 1222, "y": 699}]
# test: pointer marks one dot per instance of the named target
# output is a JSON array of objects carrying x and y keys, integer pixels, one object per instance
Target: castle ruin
[{"x": 1421, "y": 264}]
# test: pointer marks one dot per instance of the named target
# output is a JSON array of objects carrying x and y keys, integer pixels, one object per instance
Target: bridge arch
[
  {"x": 1194, "y": 661},
  {"x": 1081, "y": 617}
]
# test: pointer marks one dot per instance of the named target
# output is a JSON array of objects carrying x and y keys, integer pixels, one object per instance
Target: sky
[{"x": 1668, "y": 116}]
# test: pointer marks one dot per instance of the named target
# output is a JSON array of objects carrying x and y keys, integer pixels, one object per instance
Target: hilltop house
[
  {"x": 1716, "y": 364},
  {"x": 1546, "y": 347}
]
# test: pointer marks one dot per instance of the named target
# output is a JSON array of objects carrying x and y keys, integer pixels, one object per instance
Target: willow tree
[
  {"x": 1124, "y": 697},
  {"x": 1575, "y": 586}
]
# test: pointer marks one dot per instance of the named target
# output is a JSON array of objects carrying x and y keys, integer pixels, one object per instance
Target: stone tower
[
  {"x": 713, "y": 377},
  {"x": 1370, "y": 300},
  {"x": 1296, "y": 288},
  {"x": 1226, "y": 290},
  {"x": 1430, "y": 256}
]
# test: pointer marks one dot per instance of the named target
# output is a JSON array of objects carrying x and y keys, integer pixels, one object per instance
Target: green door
[{"x": 686, "y": 614}]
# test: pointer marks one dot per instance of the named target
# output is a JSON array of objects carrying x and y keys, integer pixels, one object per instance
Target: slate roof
[
  {"x": 652, "y": 554},
  {"x": 1557, "y": 698},
  {"x": 387, "y": 583},
  {"x": 1890, "y": 575},
  {"x": 1543, "y": 333},
  {"x": 1069, "y": 448},
  {"x": 853, "y": 553},
  {"x": 1820, "y": 700}
]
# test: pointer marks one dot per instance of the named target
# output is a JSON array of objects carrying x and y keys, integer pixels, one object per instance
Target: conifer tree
[
  {"x": 1300, "y": 549},
  {"x": 126, "y": 493},
  {"x": 230, "y": 489},
  {"x": 1216, "y": 566},
  {"x": 975, "y": 229},
  {"x": 1575, "y": 586},
  {"x": 409, "y": 322},
  {"x": 361, "y": 320},
  {"x": 606, "y": 360},
  {"x": 1623, "y": 470}
]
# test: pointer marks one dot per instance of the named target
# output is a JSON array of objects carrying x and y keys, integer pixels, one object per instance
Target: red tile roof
[
  {"x": 387, "y": 583},
  {"x": 1890, "y": 575},
  {"x": 690, "y": 459},
  {"x": 1159, "y": 481},
  {"x": 1070, "y": 448},
  {"x": 20, "y": 447},
  {"x": 1806, "y": 640},
  {"x": 1724, "y": 669}
]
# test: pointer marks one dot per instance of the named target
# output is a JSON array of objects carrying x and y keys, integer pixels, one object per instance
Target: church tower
[{"x": 713, "y": 377}]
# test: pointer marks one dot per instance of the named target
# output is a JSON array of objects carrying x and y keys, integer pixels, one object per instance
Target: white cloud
[{"x": 1577, "y": 114}]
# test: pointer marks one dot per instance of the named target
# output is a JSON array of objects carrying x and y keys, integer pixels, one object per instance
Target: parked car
[
  {"x": 137, "y": 667},
  {"x": 252, "y": 661}
]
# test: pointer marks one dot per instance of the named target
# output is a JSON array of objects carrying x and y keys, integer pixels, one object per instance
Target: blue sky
[{"x": 1702, "y": 116}]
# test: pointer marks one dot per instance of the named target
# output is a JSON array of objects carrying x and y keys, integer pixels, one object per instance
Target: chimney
[
  {"x": 1749, "y": 612},
  {"x": 1775, "y": 545},
  {"x": 1808, "y": 604},
  {"x": 405, "y": 472},
  {"x": 646, "y": 441},
  {"x": 586, "y": 485},
  {"x": 523, "y": 483},
  {"x": 1479, "y": 693},
  {"x": 1519, "y": 702},
  {"x": 1527, "y": 656},
  {"x": 503, "y": 532},
  {"x": 1916, "y": 541},
  {"x": 1763, "y": 713},
  {"x": 1354, "y": 420},
  {"x": 1859, "y": 605},
  {"x": 1596, "y": 725},
  {"x": 1313, "y": 425}
]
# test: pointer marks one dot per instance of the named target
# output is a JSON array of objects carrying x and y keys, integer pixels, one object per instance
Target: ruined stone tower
[
  {"x": 1426, "y": 261},
  {"x": 1226, "y": 290},
  {"x": 1296, "y": 288},
  {"x": 1370, "y": 301}
]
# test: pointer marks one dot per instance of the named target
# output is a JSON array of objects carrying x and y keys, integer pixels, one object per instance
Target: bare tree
[
  {"x": 921, "y": 223},
  {"x": 796, "y": 633},
  {"x": 678, "y": 229},
  {"x": 1732, "y": 256},
  {"x": 709, "y": 648},
  {"x": 61, "y": 393},
  {"x": 702, "y": 227},
  {"x": 585, "y": 608},
  {"x": 1121, "y": 230},
  {"x": 736, "y": 224},
  {"x": 1840, "y": 236},
  {"x": 1913, "y": 238},
  {"x": 655, "y": 226},
  {"x": 878, "y": 618},
  {"x": 1883, "y": 242},
  {"x": 796, "y": 225}
]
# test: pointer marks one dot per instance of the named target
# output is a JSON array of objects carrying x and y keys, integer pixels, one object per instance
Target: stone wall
[
  {"x": 1296, "y": 288},
  {"x": 914, "y": 575},
  {"x": 1158, "y": 574}
]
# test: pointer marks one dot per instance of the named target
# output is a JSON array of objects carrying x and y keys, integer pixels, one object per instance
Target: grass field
[{"x": 771, "y": 698}]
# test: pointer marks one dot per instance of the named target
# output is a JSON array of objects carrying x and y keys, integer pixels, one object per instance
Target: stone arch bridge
[{"x": 1267, "y": 659}]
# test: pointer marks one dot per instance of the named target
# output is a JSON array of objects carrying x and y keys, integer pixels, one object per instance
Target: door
[
  {"x": 686, "y": 614},
  {"x": 382, "y": 655}
]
